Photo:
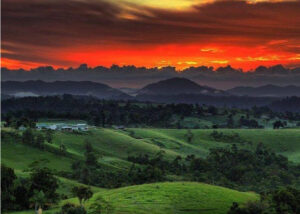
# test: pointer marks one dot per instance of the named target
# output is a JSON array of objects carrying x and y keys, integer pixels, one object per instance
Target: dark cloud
[
  {"x": 131, "y": 76},
  {"x": 50, "y": 24}
]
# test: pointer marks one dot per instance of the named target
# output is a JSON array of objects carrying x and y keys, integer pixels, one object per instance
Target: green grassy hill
[
  {"x": 166, "y": 198},
  {"x": 283, "y": 141},
  {"x": 114, "y": 146},
  {"x": 170, "y": 198}
]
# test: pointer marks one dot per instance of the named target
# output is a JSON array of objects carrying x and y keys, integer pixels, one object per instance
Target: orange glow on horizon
[
  {"x": 151, "y": 33},
  {"x": 179, "y": 56}
]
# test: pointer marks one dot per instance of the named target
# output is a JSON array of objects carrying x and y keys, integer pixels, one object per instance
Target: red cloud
[{"x": 70, "y": 32}]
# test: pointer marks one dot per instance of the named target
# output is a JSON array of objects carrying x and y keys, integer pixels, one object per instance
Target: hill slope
[
  {"x": 36, "y": 88},
  {"x": 175, "y": 86},
  {"x": 266, "y": 90},
  {"x": 115, "y": 146},
  {"x": 170, "y": 198},
  {"x": 163, "y": 198}
]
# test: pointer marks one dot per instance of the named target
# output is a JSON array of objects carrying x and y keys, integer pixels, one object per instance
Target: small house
[
  {"x": 53, "y": 127},
  {"x": 42, "y": 126},
  {"x": 119, "y": 127},
  {"x": 75, "y": 128},
  {"x": 22, "y": 128},
  {"x": 82, "y": 127},
  {"x": 66, "y": 128}
]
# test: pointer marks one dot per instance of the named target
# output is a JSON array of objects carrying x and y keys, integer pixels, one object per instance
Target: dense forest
[{"x": 106, "y": 113}]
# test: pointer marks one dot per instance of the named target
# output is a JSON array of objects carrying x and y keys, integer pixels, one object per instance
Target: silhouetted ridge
[
  {"x": 37, "y": 88},
  {"x": 266, "y": 90},
  {"x": 177, "y": 85}
]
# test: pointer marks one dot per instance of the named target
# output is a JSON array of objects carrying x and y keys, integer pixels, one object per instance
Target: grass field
[
  {"x": 114, "y": 146},
  {"x": 20, "y": 156},
  {"x": 167, "y": 198},
  {"x": 283, "y": 141}
]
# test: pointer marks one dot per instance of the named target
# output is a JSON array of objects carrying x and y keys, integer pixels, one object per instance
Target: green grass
[
  {"x": 20, "y": 156},
  {"x": 283, "y": 141},
  {"x": 167, "y": 198},
  {"x": 114, "y": 146}
]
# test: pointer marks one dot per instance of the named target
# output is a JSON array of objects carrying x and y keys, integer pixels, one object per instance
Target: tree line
[
  {"x": 232, "y": 167},
  {"x": 26, "y": 111}
]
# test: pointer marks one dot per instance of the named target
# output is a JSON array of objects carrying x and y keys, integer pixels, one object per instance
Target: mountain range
[
  {"x": 177, "y": 86},
  {"x": 174, "y": 90},
  {"x": 266, "y": 91},
  {"x": 41, "y": 88}
]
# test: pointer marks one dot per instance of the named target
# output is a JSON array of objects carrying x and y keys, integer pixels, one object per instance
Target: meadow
[
  {"x": 163, "y": 198},
  {"x": 113, "y": 146}
]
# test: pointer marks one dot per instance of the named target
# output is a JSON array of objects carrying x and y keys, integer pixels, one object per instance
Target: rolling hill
[
  {"x": 163, "y": 198},
  {"x": 176, "y": 86},
  {"x": 38, "y": 88},
  {"x": 266, "y": 91},
  {"x": 170, "y": 198},
  {"x": 115, "y": 145},
  {"x": 159, "y": 198}
]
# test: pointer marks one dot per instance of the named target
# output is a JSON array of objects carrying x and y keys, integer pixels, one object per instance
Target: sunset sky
[{"x": 151, "y": 33}]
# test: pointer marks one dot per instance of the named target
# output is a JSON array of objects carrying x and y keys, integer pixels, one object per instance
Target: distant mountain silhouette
[
  {"x": 220, "y": 101},
  {"x": 290, "y": 104},
  {"x": 178, "y": 86},
  {"x": 266, "y": 90},
  {"x": 38, "y": 88}
]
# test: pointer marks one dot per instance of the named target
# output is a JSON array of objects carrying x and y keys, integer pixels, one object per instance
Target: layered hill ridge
[
  {"x": 176, "y": 86},
  {"x": 266, "y": 90},
  {"x": 38, "y": 88}
]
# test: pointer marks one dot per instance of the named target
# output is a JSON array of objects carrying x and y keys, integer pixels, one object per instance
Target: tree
[
  {"x": 286, "y": 200},
  {"x": 39, "y": 199},
  {"x": 8, "y": 120},
  {"x": 63, "y": 149},
  {"x": 39, "y": 141},
  {"x": 277, "y": 124},
  {"x": 275, "y": 202},
  {"x": 8, "y": 178},
  {"x": 49, "y": 136},
  {"x": 100, "y": 206},
  {"x": 230, "y": 121},
  {"x": 82, "y": 193},
  {"x": 69, "y": 208},
  {"x": 28, "y": 137},
  {"x": 189, "y": 136},
  {"x": 43, "y": 179},
  {"x": 90, "y": 157},
  {"x": 22, "y": 194}
]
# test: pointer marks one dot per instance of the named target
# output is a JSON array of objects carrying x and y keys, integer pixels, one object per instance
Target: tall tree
[
  {"x": 28, "y": 137},
  {"x": 43, "y": 179},
  {"x": 39, "y": 140},
  {"x": 8, "y": 178},
  {"x": 82, "y": 193},
  {"x": 90, "y": 157},
  {"x": 49, "y": 136},
  {"x": 38, "y": 199}
]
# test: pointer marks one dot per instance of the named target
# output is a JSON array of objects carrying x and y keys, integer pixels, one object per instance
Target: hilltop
[
  {"x": 38, "y": 88},
  {"x": 266, "y": 90},
  {"x": 176, "y": 86},
  {"x": 169, "y": 198}
]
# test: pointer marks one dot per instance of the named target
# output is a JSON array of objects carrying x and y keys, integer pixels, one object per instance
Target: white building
[{"x": 63, "y": 127}]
